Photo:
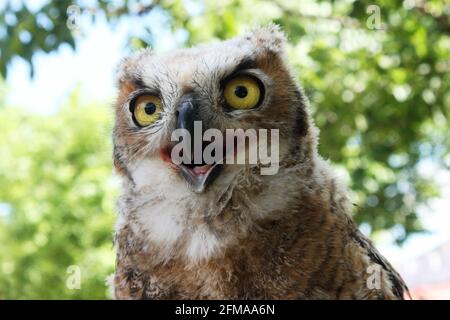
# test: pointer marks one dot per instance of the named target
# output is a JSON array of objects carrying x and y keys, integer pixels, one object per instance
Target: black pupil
[
  {"x": 150, "y": 108},
  {"x": 241, "y": 91}
]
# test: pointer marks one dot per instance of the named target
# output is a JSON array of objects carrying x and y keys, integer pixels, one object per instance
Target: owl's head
[{"x": 243, "y": 83}]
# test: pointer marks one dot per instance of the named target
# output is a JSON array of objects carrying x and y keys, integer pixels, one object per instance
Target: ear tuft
[
  {"x": 270, "y": 37},
  {"x": 126, "y": 67},
  {"x": 122, "y": 70}
]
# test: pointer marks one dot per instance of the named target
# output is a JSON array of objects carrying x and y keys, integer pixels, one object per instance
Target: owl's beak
[
  {"x": 201, "y": 175},
  {"x": 186, "y": 115}
]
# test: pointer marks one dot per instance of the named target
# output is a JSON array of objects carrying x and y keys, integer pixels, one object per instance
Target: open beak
[{"x": 198, "y": 176}]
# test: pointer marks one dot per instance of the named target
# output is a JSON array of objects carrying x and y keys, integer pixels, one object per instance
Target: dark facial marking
[
  {"x": 246, "y": 63},
  {"x": 138, "y": 82}
]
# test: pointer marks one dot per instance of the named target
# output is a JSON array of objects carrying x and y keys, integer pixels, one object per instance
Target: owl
[{"x": 224, "y": 230}]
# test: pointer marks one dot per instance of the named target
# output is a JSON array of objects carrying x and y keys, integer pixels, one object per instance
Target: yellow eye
[
  {"x": 242, "y": 92},
  {"x": 146, "y": 110}
]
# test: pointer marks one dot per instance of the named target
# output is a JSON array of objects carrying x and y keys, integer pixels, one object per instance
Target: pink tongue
[{"x": 201, "y": 170}]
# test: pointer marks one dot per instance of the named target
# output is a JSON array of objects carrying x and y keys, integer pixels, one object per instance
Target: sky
[{"x": 91, "y": 69}]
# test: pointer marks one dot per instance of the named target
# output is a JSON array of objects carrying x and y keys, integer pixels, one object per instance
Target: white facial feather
[
  {"x": 166, "y": 219},
  {"x": 173, "y": 213}
]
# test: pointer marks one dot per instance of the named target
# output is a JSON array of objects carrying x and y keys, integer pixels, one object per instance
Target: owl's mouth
[{"x": 198, "y": 176}]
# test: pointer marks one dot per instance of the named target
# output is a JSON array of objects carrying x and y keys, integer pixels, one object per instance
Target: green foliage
[
  {"x": 56, "y": 202},
  {"x": 23, "y": 32},
  {"x": 26, "y": 29}
]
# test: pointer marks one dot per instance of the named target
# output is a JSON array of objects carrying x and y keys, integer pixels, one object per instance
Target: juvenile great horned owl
[{"x": 225, "y": 231}]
